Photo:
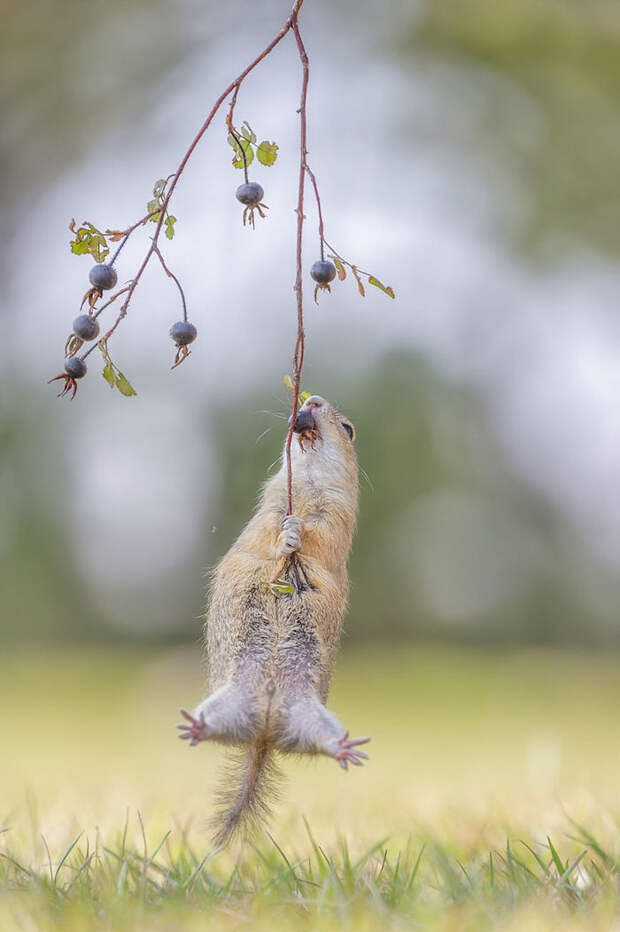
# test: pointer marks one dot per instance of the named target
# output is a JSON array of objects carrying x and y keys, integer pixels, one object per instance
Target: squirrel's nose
[{"x": 304, "y": 421}]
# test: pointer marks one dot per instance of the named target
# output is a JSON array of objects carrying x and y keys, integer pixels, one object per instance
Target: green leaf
[
  {"x": 159, "y": 186},
  {"x": 303, "y": 397},
  {"x": 123, "y": 386},
  {"x": 281, "y": 587},
  {"x": 98, "y": 247},
  {"x": 109, "y": 374},
  {"x": 152, "y": 206},
  {"x": 360, "y": 286},
  {"x": 375, "y": 281},
  {"x": 247, "y": 132},
  {"x": 339, "y": 268},
  {"x": 170, "y": 222},
  {"x": 237, "y": 146},
  {"x": 89, "y": 240},
  {"x": 79, "y": 247},
  {"x": 288, "y": 383},
  {"x": 267, "y": 152}
]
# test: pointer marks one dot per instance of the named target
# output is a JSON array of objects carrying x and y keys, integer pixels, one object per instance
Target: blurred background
[{"x": 467, "y": 155}]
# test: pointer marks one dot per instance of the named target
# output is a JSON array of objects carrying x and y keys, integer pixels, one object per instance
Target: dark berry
[
  {"x": 86, "y": 327},
  {"x": 103, "y": 277},
  {"x": 183, "y": 332},
  {"x": 250, "y": 193},
  {"x": 323, "y": 271},
  {"x": 75, "y": 367}
]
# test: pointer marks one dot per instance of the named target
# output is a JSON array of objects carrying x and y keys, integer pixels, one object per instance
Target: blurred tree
[
  {"x": 449, "y": 543},
  {"x": 54, "y": 79},
  {"x": 538, "y": 107},
  {"x": 44, "y": 595}
]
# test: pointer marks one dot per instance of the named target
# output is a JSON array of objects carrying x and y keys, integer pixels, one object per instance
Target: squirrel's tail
[{"x": 250, "y": 778}]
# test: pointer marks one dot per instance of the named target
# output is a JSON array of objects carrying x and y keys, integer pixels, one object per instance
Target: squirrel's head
[{"x": 325, "y": 432}]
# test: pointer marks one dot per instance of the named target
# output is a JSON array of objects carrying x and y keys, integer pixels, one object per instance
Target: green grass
[
  {"x": 489, "y": 802},
  {"x": 115, "y": 885}
]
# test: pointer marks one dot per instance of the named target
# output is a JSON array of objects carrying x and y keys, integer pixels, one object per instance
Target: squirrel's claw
[
  {"x": 346, "y": 751},
  {"x": 196, "y": 729}
]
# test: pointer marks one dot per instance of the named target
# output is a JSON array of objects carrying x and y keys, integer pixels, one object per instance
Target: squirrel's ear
[{"x": 349, "y": 429}]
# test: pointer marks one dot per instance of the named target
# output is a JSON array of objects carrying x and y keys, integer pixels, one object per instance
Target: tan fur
[{"x": 270, "y": 658}]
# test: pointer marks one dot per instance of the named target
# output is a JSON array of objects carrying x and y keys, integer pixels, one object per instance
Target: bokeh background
[{"x": 467, "y": 155}]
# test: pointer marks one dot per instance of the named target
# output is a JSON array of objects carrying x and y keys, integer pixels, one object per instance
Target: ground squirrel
[{"x": 270, "y": 658}]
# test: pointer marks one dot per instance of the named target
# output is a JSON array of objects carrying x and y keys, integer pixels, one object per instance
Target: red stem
[
  {"x": 174, "y": 278},
  {"x": 318, "y": 205},
  {"x": 298, "y": 354}
]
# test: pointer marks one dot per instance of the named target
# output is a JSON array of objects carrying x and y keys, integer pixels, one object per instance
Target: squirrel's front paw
[{"x": 290, "y": 536}]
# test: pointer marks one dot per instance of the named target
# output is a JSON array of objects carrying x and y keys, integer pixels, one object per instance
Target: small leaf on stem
[
  {"x": 247, "y": 132},
  {"x": 88, "y": 239},
  {"x": 267, "y": 152},
  {"x": 124, "y": 387},
  {"x": 79, "y": 247},
  {"x": 386, "y": 289},
  {"x": 288, "y": 383},
  {"x": 339, "y": 268},
  {"x": 170, "y": 222},
  {"x": 360, "y": 286},
  {"x": 112, "y": 374},
  {"x": 244, "y": 144},
  {"x": 158, "y": 188},
  {"x": 109, "y": 374},
  {"x": 303, "y": 397}
]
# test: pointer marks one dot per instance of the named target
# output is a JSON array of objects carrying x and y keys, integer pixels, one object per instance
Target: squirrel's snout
[{"x": 304, "y": 421}]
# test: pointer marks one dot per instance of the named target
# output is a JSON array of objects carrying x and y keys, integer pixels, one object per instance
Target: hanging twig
[{"x": 298, "y": 353}]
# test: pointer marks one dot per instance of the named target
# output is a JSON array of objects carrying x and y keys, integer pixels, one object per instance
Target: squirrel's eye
[{"x": 349, "y": 429}]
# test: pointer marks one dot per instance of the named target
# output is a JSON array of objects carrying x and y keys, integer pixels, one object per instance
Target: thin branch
[
  {"x": 298, "y": 354},
  {"x": 98, "y": 312},
  {"x": 233, "y": 131},
  {"x": 117, "y": 253},
  {"x": 346, "y": 261},
  {"x": 174, "y": 278},
  {"x": 139, "y": 223},
  {"x": 111, "y": 301},
  {"x": 318, "y": 205}
]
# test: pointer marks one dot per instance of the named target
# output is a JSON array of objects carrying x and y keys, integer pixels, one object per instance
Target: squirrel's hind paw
[
  {"x": 346, "y": 751},
  {"x": 194, "y": 730}
]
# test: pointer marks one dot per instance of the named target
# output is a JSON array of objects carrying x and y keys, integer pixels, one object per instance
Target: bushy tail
[{"x": 250, "y": 778}]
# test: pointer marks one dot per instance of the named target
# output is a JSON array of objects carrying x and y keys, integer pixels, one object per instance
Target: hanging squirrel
[{"x": 270, "y": 657}]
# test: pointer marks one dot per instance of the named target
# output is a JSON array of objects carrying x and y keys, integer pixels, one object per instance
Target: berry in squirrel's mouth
[
  {"x": 304, "y": 421},
  {"x": 306, "y": 428}
]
